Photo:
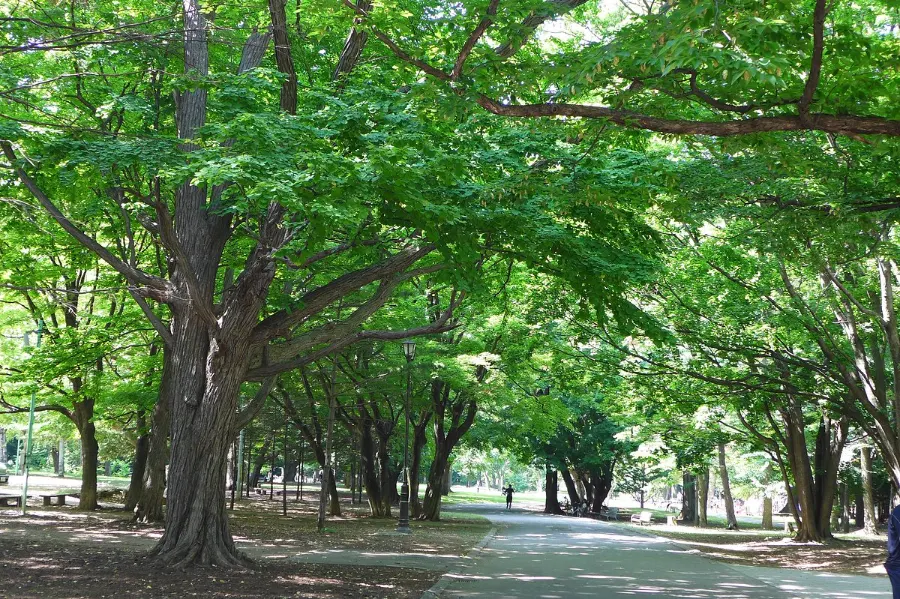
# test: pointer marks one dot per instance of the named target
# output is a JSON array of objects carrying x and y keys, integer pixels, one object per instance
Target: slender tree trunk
[
  {"x": 54, "y": 455},
  {"x": 702, "y": 497},
  {"x": 62, "y": 458},
  {"x": 571, "y": 488},
  {"x": 258, "y": 462},
  {"x": 386, "y": 477},
  {"x": 415, "y": 464},
  {"x": 865, "y": 458},
  {"x": 151, "y": 500},
  {"x": 445, "y": 481},
  {"x": 141, "y": 451},
  {"x": 731, "y": 518},
  {"x": 845, "y": 508}
]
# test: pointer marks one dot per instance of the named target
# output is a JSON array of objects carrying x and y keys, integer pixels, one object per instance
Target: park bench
[
  {"x": 15, "y": 499},
  {"x": 642, "y": 518},
  {"x": 4, "y": 479},
  {"x": 60, "y": 498},
  {"x": 609, "y": 514}
]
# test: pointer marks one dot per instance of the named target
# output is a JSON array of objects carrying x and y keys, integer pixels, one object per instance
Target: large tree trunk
[
  {"x": 702, "y": 497},
  {"x": 203, "y": 417},
  {"x": 865, "y": 459},
  {"x": 431, "y": 508},
  {"x": 84, "y": 420},
  {"x": 730, "y": 517},
  {"x": 551, "y": 499},
  {"x": 141, "y": 450},
  {"x": 767, "y": 513},
  {"x": 602, "y": 483},
  {"x": 370, "y": 460},
  {"x": 689, "y": 497}
]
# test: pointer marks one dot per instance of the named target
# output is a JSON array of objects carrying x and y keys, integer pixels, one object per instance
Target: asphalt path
[{"x": 533, "y": 555}]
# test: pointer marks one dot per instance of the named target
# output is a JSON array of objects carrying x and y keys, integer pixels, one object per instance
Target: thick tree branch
[
  {"x": 473, "y": 38},
  {"x": 157, "y": 288},
  {"x": 313, "y": 302},
  {"x": 160, "y": 327},
  {"x": 815, "y": 67},
  {"x": 441, "y": 325},
  {"x": 256, "y": 404},
  {"x": 551, "y": 9},
  {"x": 283, "y": 56}
]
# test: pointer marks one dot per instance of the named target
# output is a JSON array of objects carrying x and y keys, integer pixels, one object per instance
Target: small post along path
[{"x": 536, "y": 556}]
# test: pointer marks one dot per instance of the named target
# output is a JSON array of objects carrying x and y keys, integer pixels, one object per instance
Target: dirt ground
[
  {"x": 57, "y": 553},
  {"x": 46, "y": 570},
  {"x": 848, "y": 554}
]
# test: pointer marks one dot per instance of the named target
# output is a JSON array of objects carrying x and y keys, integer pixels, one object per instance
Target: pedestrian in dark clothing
[
  {"x": 509, "y": 491},
  {"x": 892, "y": 565}
]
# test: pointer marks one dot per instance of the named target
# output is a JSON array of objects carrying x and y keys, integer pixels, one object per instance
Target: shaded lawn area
[
  {"x": 61, "y": 552},
  {"x": 847, "y": 554},
  {"x": 49, "y": 571},
  {"x": 261, "y": 520}
]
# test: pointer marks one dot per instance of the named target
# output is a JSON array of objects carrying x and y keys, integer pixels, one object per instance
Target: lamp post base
[{"x": 403, "y": 523}]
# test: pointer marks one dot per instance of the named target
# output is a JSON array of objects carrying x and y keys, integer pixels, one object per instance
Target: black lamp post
[{"x": 409, "y": 350}]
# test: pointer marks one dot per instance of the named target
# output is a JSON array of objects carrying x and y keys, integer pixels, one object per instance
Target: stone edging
[{"x": 435, "y": 591}]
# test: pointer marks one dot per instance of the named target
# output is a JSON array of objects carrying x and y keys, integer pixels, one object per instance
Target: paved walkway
[{"x": 551, "y": 557}]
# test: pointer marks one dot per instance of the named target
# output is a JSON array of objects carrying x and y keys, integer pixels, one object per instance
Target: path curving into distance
[{"x": 537, "y": 556}]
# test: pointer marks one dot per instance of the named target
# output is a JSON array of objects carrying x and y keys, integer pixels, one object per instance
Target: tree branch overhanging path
[{"x": 805, "y": 118}]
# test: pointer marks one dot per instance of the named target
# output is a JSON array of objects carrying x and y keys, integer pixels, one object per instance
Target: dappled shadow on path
[{"x": 556, "y": 558}]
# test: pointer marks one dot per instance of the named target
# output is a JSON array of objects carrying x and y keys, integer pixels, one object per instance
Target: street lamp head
[{"x": 409, "y": 349}]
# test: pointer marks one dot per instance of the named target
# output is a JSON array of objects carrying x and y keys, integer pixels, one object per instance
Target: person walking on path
[
  {"x": 509, "y": 491},
  {"x": 892, "y": 565}
]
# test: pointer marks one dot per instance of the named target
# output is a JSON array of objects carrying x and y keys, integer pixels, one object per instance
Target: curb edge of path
[{"x": 447, "y": 577}]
